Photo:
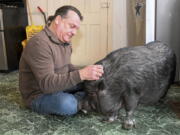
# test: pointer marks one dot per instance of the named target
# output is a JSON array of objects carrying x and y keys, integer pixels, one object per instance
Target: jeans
[{"x": 59, "y": 103}]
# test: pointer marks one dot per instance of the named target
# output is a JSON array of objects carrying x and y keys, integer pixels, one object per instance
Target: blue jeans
[{"x": 59, "y": 103}]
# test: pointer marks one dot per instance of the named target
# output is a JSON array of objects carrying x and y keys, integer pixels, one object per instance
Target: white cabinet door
[{"x": 35, "y": 17}]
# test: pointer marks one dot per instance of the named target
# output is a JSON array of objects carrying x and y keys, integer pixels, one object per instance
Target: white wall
[{"x": 150, "y": 20}]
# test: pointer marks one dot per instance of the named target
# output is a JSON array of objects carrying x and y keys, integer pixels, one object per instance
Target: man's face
[{"x": 67, "y": 27}]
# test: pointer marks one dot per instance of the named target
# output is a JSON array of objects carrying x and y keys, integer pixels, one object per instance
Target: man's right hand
[{"x": 91, "y": 72}]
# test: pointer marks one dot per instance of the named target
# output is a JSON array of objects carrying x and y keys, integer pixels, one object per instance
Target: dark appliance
[
  {"x": 13, "y": 20},
  {"x": 163, "y": 24},
  {"x": 168, "y": 27}
]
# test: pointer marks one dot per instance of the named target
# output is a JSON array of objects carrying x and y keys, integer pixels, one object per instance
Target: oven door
[{"x": 3, "y": 55}]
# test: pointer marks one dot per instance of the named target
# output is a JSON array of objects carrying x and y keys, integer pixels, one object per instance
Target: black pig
[{"x": 132, "y": 75}]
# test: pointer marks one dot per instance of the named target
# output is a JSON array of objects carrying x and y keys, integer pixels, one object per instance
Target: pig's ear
[{"x": 101, "y": 85}]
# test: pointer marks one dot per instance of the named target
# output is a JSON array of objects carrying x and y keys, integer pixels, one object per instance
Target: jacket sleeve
[
  {"x": 73, "y": 67},
  {"x": 39, "y": 57}
]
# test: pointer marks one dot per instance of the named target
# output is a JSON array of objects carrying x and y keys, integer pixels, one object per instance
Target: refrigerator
[
  {"x": 13, "y": 20},
  {"x": 163, "y": 24}
]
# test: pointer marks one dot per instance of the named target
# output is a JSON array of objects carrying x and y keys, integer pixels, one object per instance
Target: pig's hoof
[
  {"x": 84, "y": 111},
  {"x": 112, "y": 118},
  {"x": 109, "y": 119},
  {"x": 128, "y": 124}
]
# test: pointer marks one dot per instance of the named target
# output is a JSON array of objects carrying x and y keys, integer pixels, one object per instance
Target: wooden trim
[{"x": 110, "y": 26}]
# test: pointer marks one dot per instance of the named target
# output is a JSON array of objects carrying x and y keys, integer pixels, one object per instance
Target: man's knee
[{"x": 67, "y": 104}]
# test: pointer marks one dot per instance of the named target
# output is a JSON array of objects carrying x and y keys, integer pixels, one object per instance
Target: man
[{"x": 46, "y": 73}]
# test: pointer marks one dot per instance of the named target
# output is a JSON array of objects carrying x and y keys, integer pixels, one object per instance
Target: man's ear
[{"x": 57, "y": 19}]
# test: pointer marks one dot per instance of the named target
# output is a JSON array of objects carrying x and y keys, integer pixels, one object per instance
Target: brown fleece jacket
[{"x": 45, "y": 67}]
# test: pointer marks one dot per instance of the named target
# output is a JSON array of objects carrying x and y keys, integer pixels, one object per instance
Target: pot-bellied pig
[{"x": 132, "y": 75}]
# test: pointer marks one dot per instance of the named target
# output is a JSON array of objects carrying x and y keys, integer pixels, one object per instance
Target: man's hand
[{"x": 91, "y": 72}]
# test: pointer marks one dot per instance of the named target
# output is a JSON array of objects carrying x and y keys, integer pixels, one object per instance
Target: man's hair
[{"x": 62, "y": 11}]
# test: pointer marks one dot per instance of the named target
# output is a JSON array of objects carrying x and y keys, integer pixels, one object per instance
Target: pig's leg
[{"x": 130, "y": 102}]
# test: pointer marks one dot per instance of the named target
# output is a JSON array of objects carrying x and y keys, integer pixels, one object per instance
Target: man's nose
[{"x": 74, "y": 32}]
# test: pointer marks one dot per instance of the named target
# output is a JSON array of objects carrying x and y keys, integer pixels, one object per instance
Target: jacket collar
[{"x": 53, "y": 38}]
